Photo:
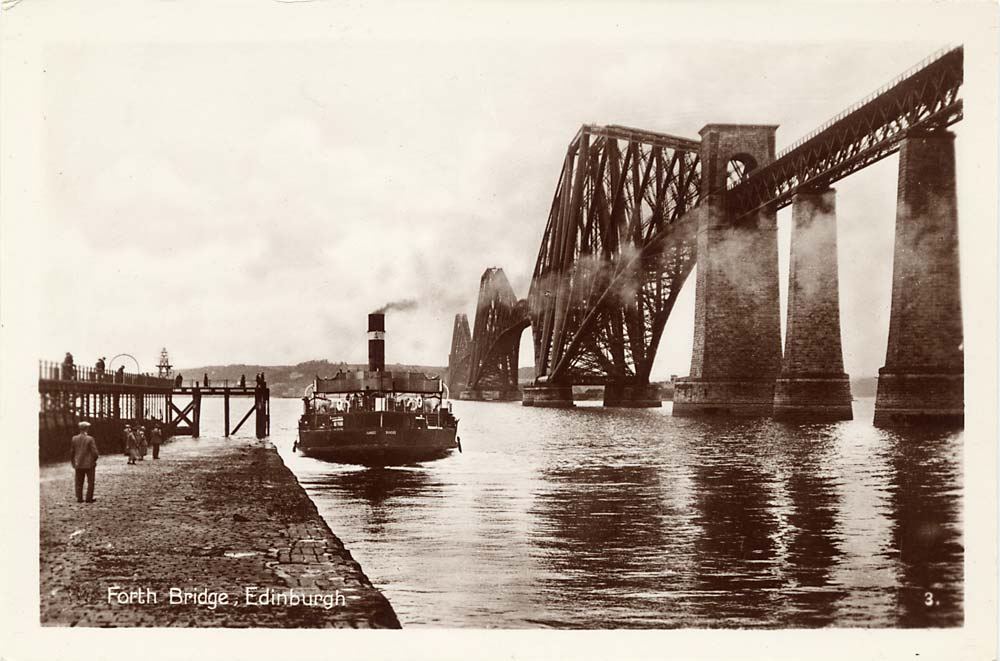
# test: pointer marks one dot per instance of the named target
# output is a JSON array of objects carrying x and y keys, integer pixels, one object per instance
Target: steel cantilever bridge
[{"x": 623, "y": 235}]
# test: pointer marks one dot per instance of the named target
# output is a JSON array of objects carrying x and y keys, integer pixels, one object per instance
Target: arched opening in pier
[{"x": 738, "y": 169}]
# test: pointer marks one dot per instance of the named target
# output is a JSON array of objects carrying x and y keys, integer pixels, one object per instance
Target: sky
[{"x": 250, "y": 200}]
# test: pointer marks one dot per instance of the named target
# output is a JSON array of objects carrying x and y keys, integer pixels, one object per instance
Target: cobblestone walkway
[{"x": 210, "y": 517}]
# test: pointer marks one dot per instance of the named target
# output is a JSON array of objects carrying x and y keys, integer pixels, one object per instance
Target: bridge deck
[{"x": 924, "y": 98}]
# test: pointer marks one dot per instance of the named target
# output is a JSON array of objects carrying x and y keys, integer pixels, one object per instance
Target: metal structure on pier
[{"x": 164, "y": 366}]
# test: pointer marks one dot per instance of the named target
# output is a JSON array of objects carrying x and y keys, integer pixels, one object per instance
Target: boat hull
[{"x": 377, "y": 447}]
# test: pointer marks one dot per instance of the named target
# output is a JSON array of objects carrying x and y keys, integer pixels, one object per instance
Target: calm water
[{"x": 615, "y": 518}]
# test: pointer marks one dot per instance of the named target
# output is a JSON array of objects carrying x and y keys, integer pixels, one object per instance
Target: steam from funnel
[
  {"x": 376, "y": 342},
  {"x": 402, "y": 304}
]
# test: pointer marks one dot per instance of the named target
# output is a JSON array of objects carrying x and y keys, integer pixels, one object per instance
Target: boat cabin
[{"x": 366, "y": 399}]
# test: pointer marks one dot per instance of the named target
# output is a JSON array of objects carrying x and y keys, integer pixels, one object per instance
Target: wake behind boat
[{"x": 377, "y": 418}]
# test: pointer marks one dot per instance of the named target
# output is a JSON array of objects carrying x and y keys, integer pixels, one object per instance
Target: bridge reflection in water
[{"x": 601, "y": 518}]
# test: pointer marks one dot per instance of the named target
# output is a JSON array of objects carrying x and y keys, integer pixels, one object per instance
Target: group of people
[
  {"x": 137, "y": 442},
  {"x": 179, "y": 381},
  {"x": 84, "y": 454}
]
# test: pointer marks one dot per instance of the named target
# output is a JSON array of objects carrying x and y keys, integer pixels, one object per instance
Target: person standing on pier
[
  {"x": 206, "y": 379},
  {"x": 243, "y": 380},
  {"x": 68, "y": 371},
  {"x": 155, "y": 438},
  {"x": 84, "y": 462}
]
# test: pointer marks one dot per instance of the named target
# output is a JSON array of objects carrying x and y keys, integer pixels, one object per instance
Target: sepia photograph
[{"x": 556, "y": 330}]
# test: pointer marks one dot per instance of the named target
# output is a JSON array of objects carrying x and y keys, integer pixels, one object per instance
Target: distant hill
[{"x": 864, "y": 386}]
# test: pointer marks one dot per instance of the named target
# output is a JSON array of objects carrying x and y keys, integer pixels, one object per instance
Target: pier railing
[{"x": 56, "y": 371}]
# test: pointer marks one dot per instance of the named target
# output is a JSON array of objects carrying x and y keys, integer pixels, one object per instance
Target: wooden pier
[
  {"x": 191, "y": 414},
  {"x": 109, "y": 400}
]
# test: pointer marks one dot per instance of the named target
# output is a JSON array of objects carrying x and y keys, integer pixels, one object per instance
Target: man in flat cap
[{"x": 84, "y": 460}]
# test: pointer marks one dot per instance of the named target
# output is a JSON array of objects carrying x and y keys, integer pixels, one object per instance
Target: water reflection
[
  {"x": 926, "y": 534},
  {"x": 610, "y": 518},
  {"x": 376, "y": 486},
  {"x": 737, "y": 544},
  {"x": 599, "y": 531},
  {"x": 807, "y": 456},
  {"x": 380, "y": 492}
]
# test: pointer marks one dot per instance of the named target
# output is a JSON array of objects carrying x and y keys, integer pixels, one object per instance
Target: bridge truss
[
  {"x": 614, "y": 254},
  {"x": 460, "y": 357},
  {"x": 496, "y": 340}
]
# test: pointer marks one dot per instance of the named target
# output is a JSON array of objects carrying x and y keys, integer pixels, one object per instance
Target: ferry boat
[{"x": 377, "y": 418}]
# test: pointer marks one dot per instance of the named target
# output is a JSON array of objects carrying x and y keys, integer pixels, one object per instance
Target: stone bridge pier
[
  {"x": 737, "y": 337},
  {"x": 812, "y": 384},
  {"x": 923, "y": 376}
]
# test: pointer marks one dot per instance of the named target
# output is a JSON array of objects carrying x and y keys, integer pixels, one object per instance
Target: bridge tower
[
  {"x": 737, "y": 337},
  {"x": 460, "y": 356},
  {"x": 922, "y": 379}
]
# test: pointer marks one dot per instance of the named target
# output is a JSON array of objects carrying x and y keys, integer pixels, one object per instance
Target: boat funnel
[{"x": 376, "y": 342}]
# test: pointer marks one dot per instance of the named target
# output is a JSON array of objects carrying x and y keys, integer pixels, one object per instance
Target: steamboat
[{"x": 377, "y": 418}]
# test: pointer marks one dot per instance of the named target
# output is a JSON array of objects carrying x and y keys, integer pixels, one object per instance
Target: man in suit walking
[{"x": 84, "y": 461}]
